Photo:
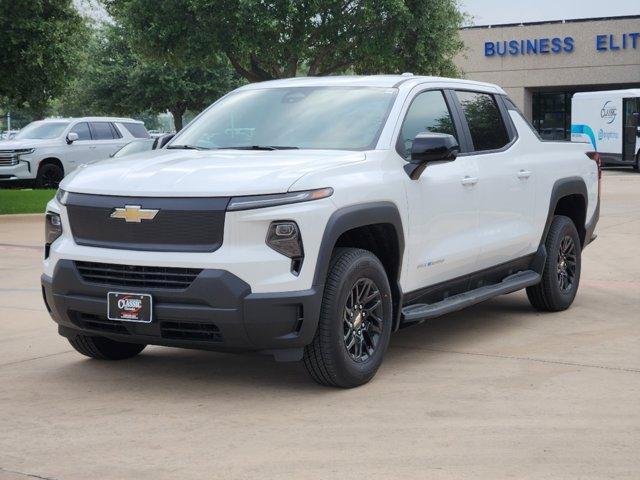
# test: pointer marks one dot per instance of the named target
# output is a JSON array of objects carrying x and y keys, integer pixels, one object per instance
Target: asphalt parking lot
[{"x": 497, "y": 391}]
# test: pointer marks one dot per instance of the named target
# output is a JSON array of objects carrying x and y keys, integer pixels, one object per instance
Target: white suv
[
  {"x": 47, "y": 150},
  {"x": 310, "y": 218}
]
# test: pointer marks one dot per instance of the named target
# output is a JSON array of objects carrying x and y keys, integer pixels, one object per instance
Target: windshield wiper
[
  {"x": 259, "y": 147},
  {"x": 186, "y": 147}
]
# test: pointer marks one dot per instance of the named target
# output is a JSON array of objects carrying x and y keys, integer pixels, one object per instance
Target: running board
[{"x": 424, "y": 311}]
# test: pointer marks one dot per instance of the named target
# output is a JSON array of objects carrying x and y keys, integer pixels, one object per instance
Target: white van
[
  {"x": 609, "y": 120},
  {"x": 46, "y": 150}
]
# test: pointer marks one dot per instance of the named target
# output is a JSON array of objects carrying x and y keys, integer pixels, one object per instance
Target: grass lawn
[{"x": 24, "y": 201}]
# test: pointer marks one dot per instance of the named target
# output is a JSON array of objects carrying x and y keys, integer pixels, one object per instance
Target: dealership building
[{"x": 542, "y": 64}]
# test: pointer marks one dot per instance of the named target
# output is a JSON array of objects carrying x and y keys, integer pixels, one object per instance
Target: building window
[{"x": 552, "y": 115}]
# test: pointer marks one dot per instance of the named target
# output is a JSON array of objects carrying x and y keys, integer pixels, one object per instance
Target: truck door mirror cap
[
  {"x": 72, "y": 137},
  {"x": 434, "y": 147}
]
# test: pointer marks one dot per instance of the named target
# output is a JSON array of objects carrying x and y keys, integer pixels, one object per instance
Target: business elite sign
[{"x": 556, "y": 45}]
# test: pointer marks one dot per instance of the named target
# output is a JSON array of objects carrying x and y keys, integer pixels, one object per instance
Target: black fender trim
[
  {"x": 562, "y": 188},
  {"x": 355, "y": 216}
]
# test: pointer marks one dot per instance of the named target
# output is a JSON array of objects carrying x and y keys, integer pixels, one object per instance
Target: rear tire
[
  {"x": 49, "y": 176},
  {"x": 103, "y": 348},
  {"x": 355, "y": 321},
  {"x": 636, "y": 166},
  {"x": 561, "y": 277}
]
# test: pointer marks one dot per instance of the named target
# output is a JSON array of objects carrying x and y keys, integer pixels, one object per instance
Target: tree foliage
[
  {"x": 40, "y": 41},
  {"x": 115, "y": 80},
  {"x": 281, "y": 38}
]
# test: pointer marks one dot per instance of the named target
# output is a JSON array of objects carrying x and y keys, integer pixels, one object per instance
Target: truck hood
[
  {"x": 193, "y": 173},
  {"x": 27, "y": 143}
]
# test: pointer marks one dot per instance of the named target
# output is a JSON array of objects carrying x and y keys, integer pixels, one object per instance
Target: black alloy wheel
[
  {"x": 363, "y": 320},
  {"x": 566, "y": 264}
]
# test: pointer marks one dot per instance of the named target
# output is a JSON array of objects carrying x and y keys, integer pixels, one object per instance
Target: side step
[{"x": 424, "y": 311}]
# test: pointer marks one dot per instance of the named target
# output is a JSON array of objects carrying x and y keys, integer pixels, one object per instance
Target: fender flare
[
  {"x": 562, "y": 188},
  {"x": 351, "y": 217}
]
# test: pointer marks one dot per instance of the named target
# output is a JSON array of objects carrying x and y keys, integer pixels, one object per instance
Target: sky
[
  {"x": 493, "y": 12},
  {"x": 496, "y": 12}
]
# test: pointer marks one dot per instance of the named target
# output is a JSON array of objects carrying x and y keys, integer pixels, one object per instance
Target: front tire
[
  {"x": 103, "y": 348},
  {"x": 49, "y": 176},
  {"x": 561, "y": 276},
  {"x": 355, "y": 321}
]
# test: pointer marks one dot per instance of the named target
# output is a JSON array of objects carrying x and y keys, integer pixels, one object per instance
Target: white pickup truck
[{"x": 310, "y": 218}]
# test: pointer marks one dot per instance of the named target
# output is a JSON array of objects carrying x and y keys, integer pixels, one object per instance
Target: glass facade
[{"x": 551, "y": 112}]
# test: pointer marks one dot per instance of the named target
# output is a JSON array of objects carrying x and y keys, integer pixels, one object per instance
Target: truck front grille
[
  {"x": 137, "y": 276},
  {"x": 8, "y": 159},
  {"x": 178, "y": 225}
]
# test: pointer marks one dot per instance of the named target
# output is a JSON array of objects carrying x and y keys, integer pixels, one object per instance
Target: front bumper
[
  {"x": 217, "y": 302},
  {"x": 17, "y": 172}
]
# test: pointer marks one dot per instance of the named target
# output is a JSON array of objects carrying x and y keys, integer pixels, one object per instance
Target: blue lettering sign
[
  {"x": 615, "y": 42},
  {"x": 611, "y": 42},
  {"x": 532, "y": 46}
]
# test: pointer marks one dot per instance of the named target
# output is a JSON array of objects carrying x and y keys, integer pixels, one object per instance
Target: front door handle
[
  {"x": 524, "y": 174},
  {"x": 467, "y": 180}
]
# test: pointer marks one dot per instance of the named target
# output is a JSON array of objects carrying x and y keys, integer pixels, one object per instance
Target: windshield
[
  {"x": 42, "y": 130},
  {"x": 343, "y": 118},
  {"x": 135, "y": 146}
]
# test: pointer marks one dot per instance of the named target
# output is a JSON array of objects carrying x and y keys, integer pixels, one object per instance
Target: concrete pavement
[{"x": 496, "y": 391}]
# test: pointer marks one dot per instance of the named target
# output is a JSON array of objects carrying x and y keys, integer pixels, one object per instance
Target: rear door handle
[
  {"x": 524, "y": 174},
  {"x": 467, "y": 180}
]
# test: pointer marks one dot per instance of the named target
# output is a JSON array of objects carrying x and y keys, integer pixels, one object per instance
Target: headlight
[
  {"x": 52, "y": 230},
  {"x": 263, "y": 201},
  {"x": 284, "y": 237},
  {"x": 23, "y": 151},
  {"x": 61, "y": 196}
]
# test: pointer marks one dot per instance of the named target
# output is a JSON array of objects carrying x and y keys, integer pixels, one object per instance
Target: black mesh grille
[
  {"x": 137, "y": 276},
  {"x": 204, "y": 332},
  {"x": 95, "y": 322},
  {"x": 180, "y": 224}
]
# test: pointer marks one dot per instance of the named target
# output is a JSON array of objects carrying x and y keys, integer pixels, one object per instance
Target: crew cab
[
  {"x": 311, "y": 218},
  {"x": 45, "y": 151}
]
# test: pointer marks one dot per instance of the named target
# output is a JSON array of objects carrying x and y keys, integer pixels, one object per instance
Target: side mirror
[
  {"x": 165, "y": 139},
  {"x": 428, "y": 148},
  {"x": 72, "y": 137}
]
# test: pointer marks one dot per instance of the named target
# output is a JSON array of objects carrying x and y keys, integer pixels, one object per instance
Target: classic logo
[
  {"x": 608, "y": 112},
  {"x": 134, "y": 213},
  {"x": 130, "y": 304}
]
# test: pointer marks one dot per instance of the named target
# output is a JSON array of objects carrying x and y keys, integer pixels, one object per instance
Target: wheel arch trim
[
  {"x": 355, "y": 216},
  {"x": 565, "y": 187}
]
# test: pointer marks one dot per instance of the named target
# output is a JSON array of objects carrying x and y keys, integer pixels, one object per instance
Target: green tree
[
  {"x": 117, "y": 81},
  {"x": 40, "y": 42},
  {"x": 282, "y": 38}
]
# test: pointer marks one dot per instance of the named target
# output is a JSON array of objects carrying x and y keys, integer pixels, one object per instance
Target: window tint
[
  {"x": 428, "y": 113},
  {"x": 114, "y": 131},
  {"x": 137, "y": 130},
  {"x": 82, "y": 129},
  {"x": 485, "y": 122},
  {"x": 102, "y": 131}
]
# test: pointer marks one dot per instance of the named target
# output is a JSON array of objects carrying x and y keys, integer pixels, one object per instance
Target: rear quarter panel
[{"x": 553, "y": 161}]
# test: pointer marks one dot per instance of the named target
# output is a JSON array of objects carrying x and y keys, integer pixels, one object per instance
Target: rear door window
[
  {"x": 487, "y": 128},
  {"x": 102, "y": 131}
]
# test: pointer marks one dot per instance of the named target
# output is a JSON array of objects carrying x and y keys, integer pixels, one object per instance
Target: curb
[{"x": 21, "y": 217}]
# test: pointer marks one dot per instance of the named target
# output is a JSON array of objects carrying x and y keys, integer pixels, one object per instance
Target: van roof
[{"x": 629, "y": 92}]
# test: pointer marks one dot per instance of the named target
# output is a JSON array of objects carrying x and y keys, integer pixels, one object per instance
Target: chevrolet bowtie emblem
[{"x": 134, "y": 213}]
